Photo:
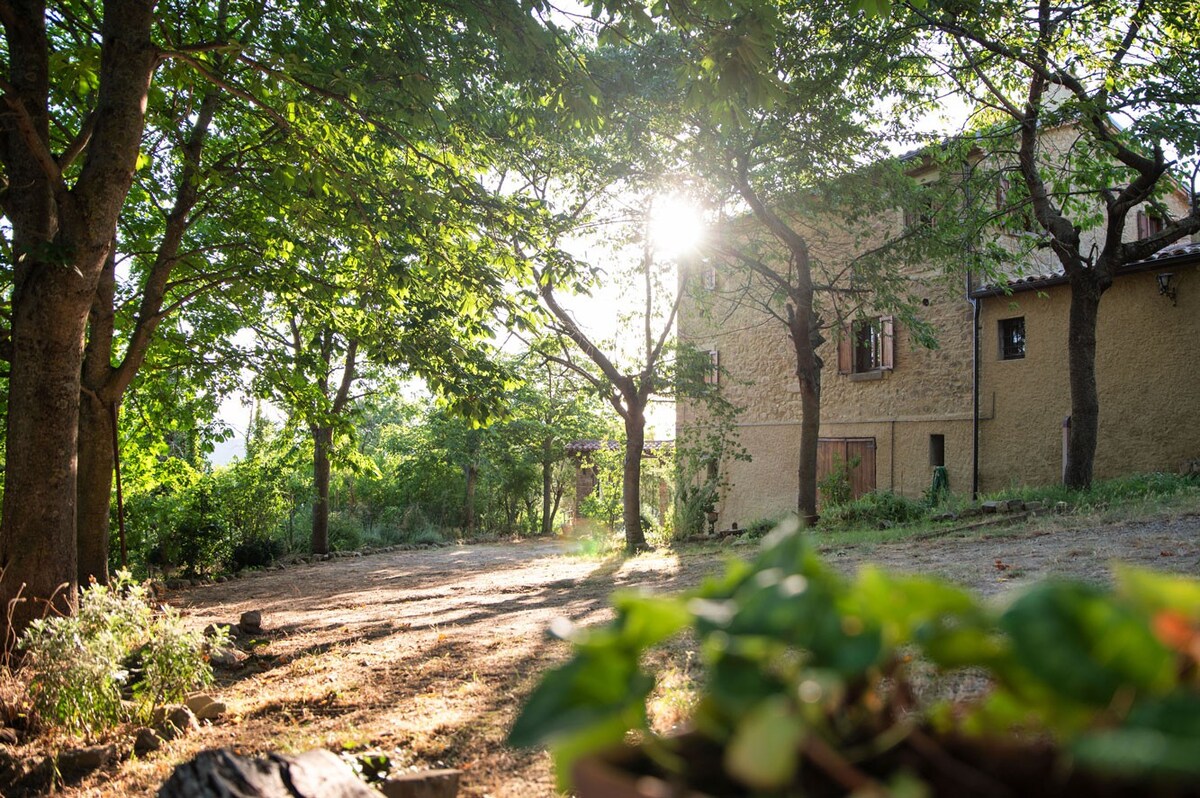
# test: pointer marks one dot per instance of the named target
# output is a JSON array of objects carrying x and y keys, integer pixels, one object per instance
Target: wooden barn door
[{"x": 862, "y": 476}]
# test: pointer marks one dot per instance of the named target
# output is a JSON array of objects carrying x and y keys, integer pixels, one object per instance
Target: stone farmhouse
[{"x": 989, "y": 403}]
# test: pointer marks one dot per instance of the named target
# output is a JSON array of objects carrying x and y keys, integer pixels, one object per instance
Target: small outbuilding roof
[{"x": 1180, "y": 253}]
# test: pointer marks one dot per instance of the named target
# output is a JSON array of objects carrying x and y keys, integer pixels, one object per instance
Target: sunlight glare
[{"x": 676, "y": 226}]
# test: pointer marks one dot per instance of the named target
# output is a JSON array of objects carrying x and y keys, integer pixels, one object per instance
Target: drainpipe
[
  {"x": 975, "y": 308},
  {"x": 1066, "y": 444}
]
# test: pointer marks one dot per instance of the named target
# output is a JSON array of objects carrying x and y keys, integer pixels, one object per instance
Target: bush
[
  {"x": 1131, "y": 489},
  {"x": 874, "y": 509},
  {"x": 345, "y": 531},
  {"x": 760, "y": 527},
  {"x": 409, "y": 527},
  {"x": 692, "y": 505},
  {"x": 255, "y": 552},
  {"x": 834, "y": 487},
  {"x": 80, "y": 665}
]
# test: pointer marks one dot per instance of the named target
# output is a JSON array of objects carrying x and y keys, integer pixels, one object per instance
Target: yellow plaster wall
[{"x": 1147, "y": 371}]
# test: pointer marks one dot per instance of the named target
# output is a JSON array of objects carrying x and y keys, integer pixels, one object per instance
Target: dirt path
[{"x": 425, "y": 655}]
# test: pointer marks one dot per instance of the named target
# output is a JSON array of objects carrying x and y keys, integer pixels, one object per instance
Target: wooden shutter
[
  {"x": 846, "y": 351},
  {"x": 1143, "y": 225},
  {"x": 887, "y": 343}
]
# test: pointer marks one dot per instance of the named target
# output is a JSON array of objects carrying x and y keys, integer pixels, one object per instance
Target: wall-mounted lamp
[{"x": 1167, "y": 285}]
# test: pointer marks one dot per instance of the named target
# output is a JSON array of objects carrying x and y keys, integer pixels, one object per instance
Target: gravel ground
[{"x": 426, "y": 655}]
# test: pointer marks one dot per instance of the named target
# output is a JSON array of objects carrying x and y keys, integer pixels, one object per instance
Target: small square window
[
  {"x": 1012, "y": 338},
  {"x": 937, "y": 450},
  {"x": 709, "y": 278}
]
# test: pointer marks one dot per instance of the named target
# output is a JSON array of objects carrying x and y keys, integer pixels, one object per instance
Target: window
[
  {"x": 867, "y": 346},
  {"x": 865, "y": 341},
  {"x": 713, "y": 375},
  {"x": 920, "y": 215},
  {"x": 1149, "y": 224},
  {"x": 1012, "y": 338},
  {"x": 937, "y": 450},
  {"x": 708, "y": 278}
]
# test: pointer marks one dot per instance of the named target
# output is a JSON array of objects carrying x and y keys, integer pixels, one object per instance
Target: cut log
[{"x": 224, "y": 774}]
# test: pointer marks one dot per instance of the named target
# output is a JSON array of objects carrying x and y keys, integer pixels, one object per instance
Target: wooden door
[{"x": 862, "y": 476}]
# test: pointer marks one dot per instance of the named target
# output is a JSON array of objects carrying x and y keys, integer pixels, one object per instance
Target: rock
[
  {"x": 991, "y": 507},
  {"x": 85, "y": 760},
  {"x": 1189, "y": 467},
  {"x": 944, "y": 517},
  {"x": 174, "y": 721},
  {"x": 427, "y": 784},
  {"x": 315, "y": 774},
  {"x": 147, "y": 740},
  {"x": 205, "y": 707},
  {"x": 216, "y": 628},
  {"x": 222, "y": 579},
  {"x": 970, "y": 512},
  {"x": 1035, "y": 507},
  {"x": 228, "y": 657},
  {"x": 251, "y": 622},
  {"x": 177, "y": 583},
  {"x": 8, "y": 736}
]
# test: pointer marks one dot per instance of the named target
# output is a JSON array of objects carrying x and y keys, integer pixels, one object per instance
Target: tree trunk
[
  {"x": 1081, "y": 361},
  {"x": 37, "y": 537},
  {"x": 94, "y": 485},
  {"x": 631, "y": 481},
  {"x": 96, "y": 456},
  {"x": 322, "y": 439},
  {"x": 805, "y": 340},
  {"x": 61, "y": 238},
  {"x": 472, "y": 477},
  {"x": 547, "y": 487}
]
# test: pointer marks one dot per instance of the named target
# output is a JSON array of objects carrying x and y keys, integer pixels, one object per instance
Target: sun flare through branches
[{"x": 675, "y": 226}]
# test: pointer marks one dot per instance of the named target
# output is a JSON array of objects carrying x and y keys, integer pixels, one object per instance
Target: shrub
[
  {"x": 345, "y": 531},
  {"x": 79, "y": 665},
  {"x": 1131, "y": 489},
  {"x": 254, "y": 552},
  {"x": 834, "y": 487},
  {"x": 692, "y": 505},
  {"x": 760, "y": 527},
  {"x": 409, "y": 526},
  {"x": 874, "y": 509}
]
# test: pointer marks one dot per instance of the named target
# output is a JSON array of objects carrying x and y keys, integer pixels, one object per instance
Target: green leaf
[
  {"x": 1154, "y": 592},
  {"x": 1139, "y": 752},
  {"x": 764, "y": 750},
  {"x": 1084, "y": 645},
  {"x": 902, "y": 604},
  {"x": 645, "y": 621},
  {"x": 599, "y": 684}
]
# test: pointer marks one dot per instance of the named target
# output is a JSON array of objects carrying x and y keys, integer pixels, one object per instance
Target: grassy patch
[{"x": 884, "y": 517}]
